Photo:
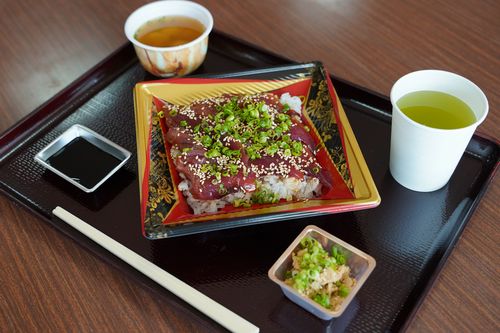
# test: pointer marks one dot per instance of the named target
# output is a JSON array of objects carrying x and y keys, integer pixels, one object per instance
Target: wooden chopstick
[{"x": 203, "y": 303}]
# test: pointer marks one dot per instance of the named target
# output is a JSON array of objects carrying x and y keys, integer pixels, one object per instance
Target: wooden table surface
[{"x": 49, "y": 283}]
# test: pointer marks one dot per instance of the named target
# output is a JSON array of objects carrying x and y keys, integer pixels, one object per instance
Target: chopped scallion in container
[{"x": 322, "y": 277}]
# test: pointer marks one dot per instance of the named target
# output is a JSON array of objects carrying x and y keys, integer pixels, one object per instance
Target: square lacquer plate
[{"x": 164, "y": 211}]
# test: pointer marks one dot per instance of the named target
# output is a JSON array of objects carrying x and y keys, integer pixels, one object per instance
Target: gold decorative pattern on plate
[{"x": 320, "y": 111}]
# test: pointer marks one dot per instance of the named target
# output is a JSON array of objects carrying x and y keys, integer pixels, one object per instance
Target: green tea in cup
[
  {"x": 436, "y": 109},
  {"x": 434, "y": 115}
]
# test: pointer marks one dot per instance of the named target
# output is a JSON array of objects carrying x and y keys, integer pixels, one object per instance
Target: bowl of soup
[{"x": 170, "y": 37}]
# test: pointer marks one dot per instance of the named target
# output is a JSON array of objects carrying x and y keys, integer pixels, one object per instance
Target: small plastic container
[
  {"x": 361, "y": 265},
  {"x": 83, "y": 158}
]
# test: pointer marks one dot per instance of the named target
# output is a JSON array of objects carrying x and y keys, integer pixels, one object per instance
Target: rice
[
  {"x": 292, "y": 188},
  {"x": 289, "y": 189},
  {"x": 293, "y": 102}
]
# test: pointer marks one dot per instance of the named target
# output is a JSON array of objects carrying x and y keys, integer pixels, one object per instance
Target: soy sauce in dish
[
  {"x": 169, "y": 31},
  {"x": 83, "y": 161}
]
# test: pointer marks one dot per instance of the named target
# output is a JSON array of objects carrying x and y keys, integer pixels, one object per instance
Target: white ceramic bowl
[{"x": 170, "y": 61}]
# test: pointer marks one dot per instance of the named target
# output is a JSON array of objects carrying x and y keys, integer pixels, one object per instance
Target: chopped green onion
[
  {"x": 241, "y": 203},
  {"x": 282, "y": 117},
  {"x": 262, "y": 137},
  {"x": 310, "y": 264},
  {"x": 297, "y": 148},
  {"x": 222, "y": 189},
  {"x": 206, "y": 141},
  {"x": 343, "y": 291},
  {"x": 322, "y": 299},
  {"x": 338, "y": 255},
  {"x": 264, "y": 196},
  {"x": 272, "y": 149},
  {"x": 284, "y": 145},
  {"x": 254, "y": 113},
  {"x": 212, "y": 153},
  {"x": 233, "y": 169},
  {"x": 265, "y": 123}
]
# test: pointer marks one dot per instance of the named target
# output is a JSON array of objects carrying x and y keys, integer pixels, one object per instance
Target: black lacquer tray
[{"x": 410, "y": 234}]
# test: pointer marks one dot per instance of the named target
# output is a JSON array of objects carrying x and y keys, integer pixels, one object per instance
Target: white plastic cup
[{"x": 423, "y": 158}]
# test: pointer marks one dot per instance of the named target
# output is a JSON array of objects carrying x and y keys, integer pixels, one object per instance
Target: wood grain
[{"x": 49, "y": 283}]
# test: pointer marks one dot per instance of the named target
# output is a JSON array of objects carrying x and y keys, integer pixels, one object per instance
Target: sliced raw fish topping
[{"x": 225, "y": 144}]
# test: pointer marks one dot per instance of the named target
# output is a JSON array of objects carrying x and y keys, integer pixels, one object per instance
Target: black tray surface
[{"x": 410, "y": 234}]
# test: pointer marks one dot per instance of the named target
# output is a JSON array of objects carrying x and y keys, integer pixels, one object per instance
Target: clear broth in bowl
[{"x": 169, "y": 31}]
